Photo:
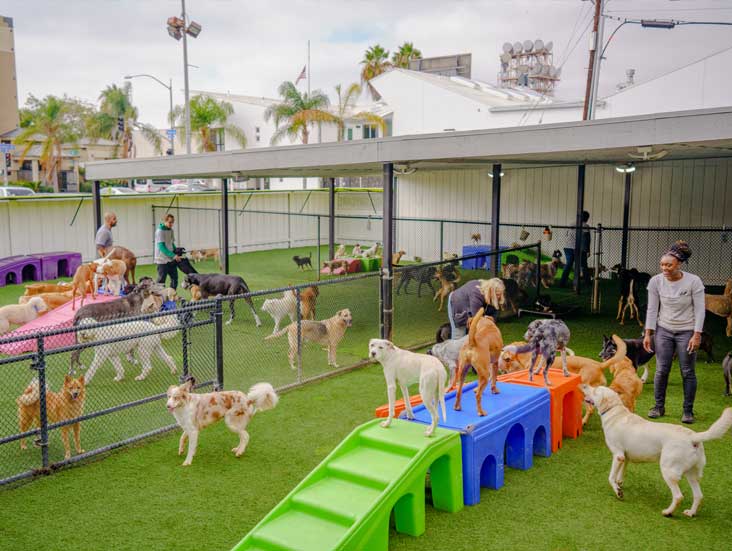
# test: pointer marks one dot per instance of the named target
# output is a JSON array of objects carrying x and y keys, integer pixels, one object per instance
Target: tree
[
  {"x": 375, "y": 61},
  {"x": 115, "y": 110},
  {"x": 207, "y": 117},
  {"x": 406, "y": 53},
  {"x": 49, "y": 124},
  {"x": 347, "y": 103},
  {"x": 297, "y": 111}
]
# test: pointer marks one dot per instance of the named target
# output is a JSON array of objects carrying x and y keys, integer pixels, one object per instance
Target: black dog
[
  {"x": 184, "y": 265},
  {"x": 515, "y": 295},
  {"x": 727, "y": 367},
  {"x": 212, "y": 285},
  {"x": 631, "y": 283},
  {"x": 303, "y": 261},
  {"x": 421, "y": 274}
]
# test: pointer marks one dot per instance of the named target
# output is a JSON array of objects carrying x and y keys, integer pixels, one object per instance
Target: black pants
[{"x": 169, "y": 269}]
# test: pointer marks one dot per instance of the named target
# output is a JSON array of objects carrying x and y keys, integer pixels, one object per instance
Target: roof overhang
[{"x": 684, "y": 134}]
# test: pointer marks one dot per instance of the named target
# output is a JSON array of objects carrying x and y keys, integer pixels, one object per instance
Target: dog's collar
[{"x": 608, "y": 409}]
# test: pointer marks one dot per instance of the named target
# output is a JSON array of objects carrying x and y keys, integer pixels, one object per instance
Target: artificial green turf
[{"x": 141, "y": 498}]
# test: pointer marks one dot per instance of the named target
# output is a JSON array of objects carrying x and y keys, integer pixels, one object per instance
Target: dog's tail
[
  {"x": 31, "y": 394},
  {"x": 718, "y": 429},
  {"x": 278, "y": 334},
  {"x": 262, "y": 396},
  {"x": 474, "y": 327},
  {"x": 570, "y": 352}
]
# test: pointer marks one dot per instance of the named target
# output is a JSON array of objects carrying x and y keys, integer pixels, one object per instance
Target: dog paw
[
  {"x": 689, "y": 513},
  {"x": 141, "y": 377},
  {"x": 481, "y": 413},
  {"x": 186, "y": 464},
  {"x": 457, "y": 408},
  {"x": 667, "y": 512},
  {"x": 117, "y": 379},
  {"x": 385, "y": 424},
  {"x": 410, "y": 415},
  {"x": 229, "y": 323},
  {"x": 495, "y": 391},
  {"x": 619, "y": 493},
  {"x": 428, "y": 432}
]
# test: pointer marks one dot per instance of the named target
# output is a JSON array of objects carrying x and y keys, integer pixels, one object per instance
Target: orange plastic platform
[
  {"x": 566, "y": 401},
  {"x": 383, "y": 411}
]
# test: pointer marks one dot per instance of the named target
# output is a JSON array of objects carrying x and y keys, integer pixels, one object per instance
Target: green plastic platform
[
  {"x": 346, "y": 502},
  {"x": 371, "y": 264},
  {"x": 531, "y": 257}
]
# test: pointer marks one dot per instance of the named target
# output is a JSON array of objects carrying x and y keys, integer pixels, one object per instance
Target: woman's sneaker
[
  {"x": 687, "y": 418},
  {"x": 656, "y": 412}
]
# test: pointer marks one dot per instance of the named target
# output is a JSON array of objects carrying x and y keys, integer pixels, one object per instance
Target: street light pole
[
  {"x": 169, "y": 86},
  {"x": 185, "y": 76}
]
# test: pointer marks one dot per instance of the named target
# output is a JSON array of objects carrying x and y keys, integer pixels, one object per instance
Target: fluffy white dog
[
  {"x": 279, "y": 308},
  {"x": 630, "y": 438},
  {"x": 405, "y": 368},
  {"x": 18, "y": 314}
]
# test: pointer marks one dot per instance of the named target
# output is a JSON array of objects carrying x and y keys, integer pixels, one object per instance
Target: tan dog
[
  {"x": 52, "y": 300},
  {"x": 19, "y": 314},
  {"x": 397, "y": 257},
  {"x": 590, "y": 371},
  {"x": 206, "y": 254},
  {"x": 83, "y": 280},
  {"x": 195, "y": 412},
  {"x": 446, "y": 287},
  {"x": 195, "y": 293},
  {"x": 66, "y": 404},
  {"x": 511, "y": 361},
  {"x": 626, "y": 382},
  {"x": 308, "y": 298},
  {"x": 328, "y": 333},
  {"x": 38, "y": 288},
  {"x": 721, "y": 305},
  {"x": 482, "y": 352},
  {"x": 128, "y": 257},
  {"x": 114, "y": 272},
  {"x": 341, "y": 252}
]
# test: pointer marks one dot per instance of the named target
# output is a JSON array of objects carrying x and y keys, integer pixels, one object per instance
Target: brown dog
[
  {"x": 114, "y": 272},
  {"x": 511, "y": 361},
  {"x": 130, "y": 260},
  {"x": 66, "y": 404},
  {"x": 205, "y": 254},
  {"x": 195, "y": 293},
  {"x": 446, "y": 287},
  {"x": 52, "y": 300},
  {"x": 38, "y": 288},
  {"x": 308, "y": 298},
  {"x": 625, "y": 379},
  {"x": 592, "y": 373},
  {"x": 482, "y": 352},
  {"x": 721, "y": 305},
  {"x": 83, "y": 280},
  {"x": 397, "y": 257}
]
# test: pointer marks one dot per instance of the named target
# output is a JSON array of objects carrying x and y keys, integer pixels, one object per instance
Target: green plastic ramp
[{"x": 346, "y": 502}]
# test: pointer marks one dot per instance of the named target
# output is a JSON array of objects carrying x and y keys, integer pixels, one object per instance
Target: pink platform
[{"x": 58, "y": 318}]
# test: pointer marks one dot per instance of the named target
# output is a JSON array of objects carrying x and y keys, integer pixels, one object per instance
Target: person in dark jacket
[{"x": 464, "y": 303}]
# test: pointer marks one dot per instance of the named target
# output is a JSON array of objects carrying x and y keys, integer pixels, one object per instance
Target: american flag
[{"x": 302, "y": 75}]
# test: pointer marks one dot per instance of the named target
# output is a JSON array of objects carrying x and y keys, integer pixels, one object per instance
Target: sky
[{"x": 77, "y": 47}]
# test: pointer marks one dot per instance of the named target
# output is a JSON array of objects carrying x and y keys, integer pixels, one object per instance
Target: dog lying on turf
[
  {"x": 403, "y": 367},
  {"x": 632, "y": 439},
  {"x": 194, "y": 412},
  {"x": 19, "y": 314},
  {"x": 211, "y": 285}
]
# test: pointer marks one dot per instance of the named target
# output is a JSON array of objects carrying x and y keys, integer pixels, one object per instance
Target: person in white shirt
[{"x": 674, "y": 323}]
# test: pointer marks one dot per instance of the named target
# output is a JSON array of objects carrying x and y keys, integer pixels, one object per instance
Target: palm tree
[
  {"x": 48, "y": 124},
  {"x": 375, "y": 61},
  {"x": 297, "y": 111},
  {"x": 115, "y": 105},
  {"x": 346, "y": 103},
  {"x": 406, "y": 53},
  {"x": 209, "y": 116}
]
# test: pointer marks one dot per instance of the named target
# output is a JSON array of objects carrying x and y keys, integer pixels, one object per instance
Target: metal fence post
[
  {"x": 318, "y": 264},
  {"x": 442, "y": 240},
  {"x": 596, "y": 279},
  {"x": 40, "y": 366},
  {"x": 219, "y": 329},
  {"x": 299, "y": 335},
  {"x": 185, "y": 344},
  {"x": 538, "y": 270}
]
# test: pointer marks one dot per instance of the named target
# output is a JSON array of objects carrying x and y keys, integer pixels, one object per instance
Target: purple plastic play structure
[{"x": 38, "y": 267}]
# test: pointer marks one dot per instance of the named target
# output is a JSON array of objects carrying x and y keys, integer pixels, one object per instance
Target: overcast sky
[{"x": 248, "y": 47}]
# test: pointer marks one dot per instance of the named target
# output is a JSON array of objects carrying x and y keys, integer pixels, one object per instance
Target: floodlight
[
  {"x": 656, "y": 24},
  {"x": 625, "y": 169},
  {"x": 194, "y": 29},
  {"x": 502, "y": 174},
  {"x": 176, "y": 22},
  {"x": 174, "y": 32}
]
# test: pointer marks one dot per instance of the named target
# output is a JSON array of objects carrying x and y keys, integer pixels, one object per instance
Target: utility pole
[
  {"x": 593, "y": 71},
  {"x": 185, "y": 77}
]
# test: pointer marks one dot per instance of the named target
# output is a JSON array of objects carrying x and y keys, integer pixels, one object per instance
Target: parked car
[
  {"x": 117, "y": 190},
  {"x": 182, "y": 188},
  {"x": 15, "y": 191},
  {"x": 152, "y": 185}
]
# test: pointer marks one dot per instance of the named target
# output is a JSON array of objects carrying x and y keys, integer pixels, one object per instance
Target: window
[
  {"x": 218, "y": 136},
  {"x": 257, "y": 137},
  {"x": 369, "y": 131},
  {"x": 350, "y": 134}
]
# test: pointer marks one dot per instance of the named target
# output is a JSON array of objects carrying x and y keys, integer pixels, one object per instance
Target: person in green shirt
[{"x": 164, "y": 256}]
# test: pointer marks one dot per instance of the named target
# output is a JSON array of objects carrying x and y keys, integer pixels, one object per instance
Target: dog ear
[
  {"x": 67, "y": 378},
  {"x": 82, "y": 380}
]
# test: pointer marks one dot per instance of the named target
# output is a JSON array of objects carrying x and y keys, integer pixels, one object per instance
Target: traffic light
[
  {"x": 121, "y": 124},
  {"x": 169, "y": 151},
  {"x": 8, "y": 160}
]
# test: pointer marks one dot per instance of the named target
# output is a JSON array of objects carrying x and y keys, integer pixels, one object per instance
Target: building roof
[
  {"x": 702, "y": 133},
  {"x": 237, "y": 98}
]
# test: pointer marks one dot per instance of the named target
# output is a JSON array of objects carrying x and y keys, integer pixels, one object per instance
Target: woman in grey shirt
[{"x": 676, "y": 314}]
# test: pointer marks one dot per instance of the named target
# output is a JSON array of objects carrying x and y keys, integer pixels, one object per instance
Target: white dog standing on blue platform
[{"x": 405, "y": 368}]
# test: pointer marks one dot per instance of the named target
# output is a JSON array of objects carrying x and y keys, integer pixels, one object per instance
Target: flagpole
[{"x": 308, "y": 68}]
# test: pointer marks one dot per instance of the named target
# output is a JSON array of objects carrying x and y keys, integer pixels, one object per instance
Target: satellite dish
[
  {"x": 507, "y": 48},
  {"x": 538, "y": 45},
  {"x": 518, "y": 47},
  {"x": 505, "y": 57},
  {"x": 528, "y": 45},
  {"x": 548, "y": 46}
]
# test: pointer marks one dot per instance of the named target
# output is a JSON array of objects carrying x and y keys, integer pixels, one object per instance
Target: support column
[
  {"x": 331, "y": 218},
  {"x": 495, "y": 216},
  {"x": 97, "y": 203},
  {"x": 386, "y": 268},
  {"x": 578, "y": 226},
  {"x": 626, "y": 221},
  {"x": 225, "y": 224}
]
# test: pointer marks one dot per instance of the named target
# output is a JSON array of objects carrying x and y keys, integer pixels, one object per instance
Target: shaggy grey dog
[{"x": 545, "y": 338}]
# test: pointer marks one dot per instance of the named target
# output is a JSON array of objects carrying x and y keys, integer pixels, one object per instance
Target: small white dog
[
  {"x": 405, "y": 368},
  {"x": 357, "y": 251},
  {"x": 146, "y": 345},
  {"x": 341, "y": 252},
  {"x": 448, "y": 352},
  {"x": 18, "y": 314},
  {"x": 194, "y": 412},
  {"x": 371, "y": 251},
  {"x": 279, "y": 308},
  {"x": 632, "y": 439}
]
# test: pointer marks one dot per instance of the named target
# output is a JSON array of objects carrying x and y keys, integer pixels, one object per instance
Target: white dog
[
  {"x": 448, "y": 353},
  {"x": 341, "y": 252},
  {"x": 371, "y": 251},
  {"x": 18, "y": 314},
  {"x": 633, "y": 439},
  {"x": 194, "y": 412},
  {"x": 278, "y": 308},
  {"x": 405, "y": 368},
  {"x": 357, "y": 251},
  {"x": 146, "y": 345}
]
